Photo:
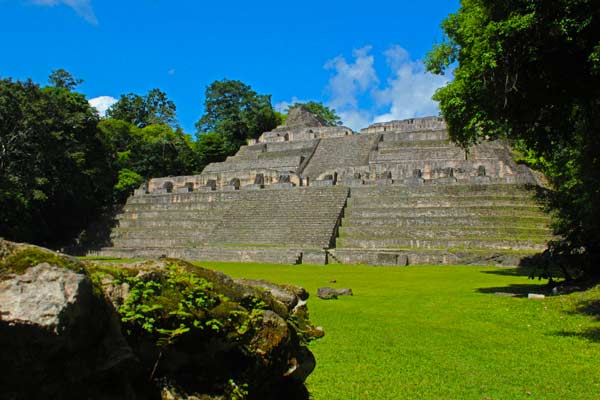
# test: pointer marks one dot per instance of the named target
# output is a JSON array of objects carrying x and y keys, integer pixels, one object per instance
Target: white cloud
[
  {"x": 355, "y": 118},
  {"x": 351, "y": 79},
  {"x": 409, "y": 90},
  {"x": 83, "y": 8},
  {"x": 405, "y": 94},
  {"x": 102, "y": 103}
]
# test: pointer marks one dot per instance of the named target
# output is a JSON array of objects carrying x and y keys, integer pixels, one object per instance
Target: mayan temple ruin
[{"x": 397, "y": 193}]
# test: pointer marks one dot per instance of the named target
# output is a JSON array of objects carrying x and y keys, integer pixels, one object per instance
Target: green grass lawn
[{"x": 442, "y": 333}]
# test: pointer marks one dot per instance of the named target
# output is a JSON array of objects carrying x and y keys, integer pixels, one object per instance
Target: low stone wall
[
  {"x": 401, "y": 258},
  {"x": 284, "y": 134},
  {"x": 416, "y": 136},
  {"x": 408, "y": 125}
]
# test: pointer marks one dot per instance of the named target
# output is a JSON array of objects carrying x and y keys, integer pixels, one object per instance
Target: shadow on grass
[
  {"x": 589, "y": 308},
  {"x": 515, "y": 290},
  {"x": 591, "y": 334},
  {"x": 517, "y": 271}
]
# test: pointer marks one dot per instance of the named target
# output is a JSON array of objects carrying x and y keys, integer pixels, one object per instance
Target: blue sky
[{"x": 360, "y": 57}]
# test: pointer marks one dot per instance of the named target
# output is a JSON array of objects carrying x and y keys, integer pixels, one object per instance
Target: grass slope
[{"x": 442, "y": 333}]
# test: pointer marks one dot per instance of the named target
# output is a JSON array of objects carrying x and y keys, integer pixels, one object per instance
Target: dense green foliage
[
  {"x": 63, "y": 79},
  {"x": 237, "y": 113},
  {"x": 54, "y": 169},
  {"x": 138, "y": 154},
  {"x": 166, "y": 306},
  {"x": 211, "y": 147},
  {"x": 441, "y": 333},
  {"x": 529, "y": 71},
  {"x": 141, "y": 111},
  {"x": 322, "y": 111}
]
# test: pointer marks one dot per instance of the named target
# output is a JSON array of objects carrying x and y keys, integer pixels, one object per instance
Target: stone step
[
  {"x": 160, "y": 242},
  {"x": 515, "y": 212},
  {"x": 287, "y": 162},
  {"x": 415, "y": 153},
  {"x": 424, "y": 202},
  {"x": 250, "y": 209},
  {"x": 306, "y": 230},
  {"x": 442, "y": 244},
  {"x": 395, "y": 136},
  {"x": 190, "y": 223},
  {"x": 203, "y": 207},
  {"x": 400, "y": 195},
  {"x": 445, "y": 190},
  {"x": 443, "y": 232},
  {"x": 163, "y": 232},
  {"x": 228, "y": 198},
  {"x": 420, "y": 144},
  {"x": 538, "y": 222},
  {"x": 168, "y": 214},
  {"x": 219, "y": 195}
]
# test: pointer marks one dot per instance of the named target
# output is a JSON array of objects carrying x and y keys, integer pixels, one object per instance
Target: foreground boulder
[
  {"x": 59, "y": 338},
  {"x": 159, "y": 329}
]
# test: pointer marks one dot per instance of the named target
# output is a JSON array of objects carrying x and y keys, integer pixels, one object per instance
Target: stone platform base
[
  {"x": 259, "y": 254},
  {"x": 386, "y": 257}
]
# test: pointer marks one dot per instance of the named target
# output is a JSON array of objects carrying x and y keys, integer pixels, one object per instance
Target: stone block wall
[
  {"x": 304, "y": 133},
  {"x": 407, "y": 125}
]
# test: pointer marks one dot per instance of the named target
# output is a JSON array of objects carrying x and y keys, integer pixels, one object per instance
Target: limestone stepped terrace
[{"x": 397, "y": 193}]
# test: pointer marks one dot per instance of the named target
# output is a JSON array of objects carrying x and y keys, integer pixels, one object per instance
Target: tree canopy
[
  {"x": 141, "y": 111},
  {"x": 63, "y": 79},
  {"x": 236, "y": 112},
  {"x": 60, "y": 166},
  {"x": 327, "y": 114},
  {"x": 54, "y": 170},
  {"x": 529, "y": 71},
  {"x": 138, "y": 154}
]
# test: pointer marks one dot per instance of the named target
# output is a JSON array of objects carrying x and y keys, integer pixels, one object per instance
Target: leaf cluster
[
  {"x": 141, "y": 111},
  {"x": 167, "y": 305},
  {"x": 236, "y": 112}
]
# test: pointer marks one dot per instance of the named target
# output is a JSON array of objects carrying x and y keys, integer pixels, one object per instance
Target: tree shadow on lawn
[
  {"x": 510, "y": 271},
  {"x": 590, "y": 308},
  {"x": 516, "y": 290},
  {"x": 591, "y": 334}
]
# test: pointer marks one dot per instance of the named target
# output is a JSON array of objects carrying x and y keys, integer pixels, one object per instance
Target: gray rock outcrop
[
  {"x": 61, "y": 339},
  {"x": 73, "y": 330}
]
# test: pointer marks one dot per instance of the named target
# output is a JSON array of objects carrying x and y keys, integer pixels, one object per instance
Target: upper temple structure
[{"x": 397, "y": 193}]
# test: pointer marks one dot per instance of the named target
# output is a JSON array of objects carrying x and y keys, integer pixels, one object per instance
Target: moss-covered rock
[
  {"x": 189, "y": 330},
  {"x": 59, "y": 336},
  {"x": 204, "y": 333}
]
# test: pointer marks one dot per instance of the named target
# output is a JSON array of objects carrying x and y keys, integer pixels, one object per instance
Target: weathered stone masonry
[{"x": 398, "y": 193}]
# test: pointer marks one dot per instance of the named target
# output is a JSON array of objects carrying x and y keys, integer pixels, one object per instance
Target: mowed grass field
[{"x": 443, "y": 333}]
